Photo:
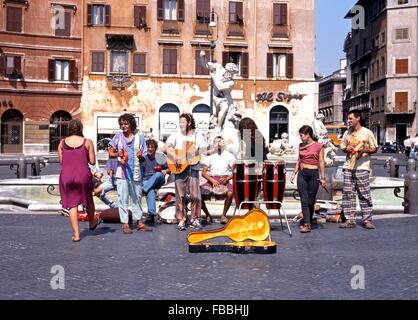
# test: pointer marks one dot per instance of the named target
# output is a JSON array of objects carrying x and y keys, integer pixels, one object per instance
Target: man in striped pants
[{"x": 358, "y": 143}]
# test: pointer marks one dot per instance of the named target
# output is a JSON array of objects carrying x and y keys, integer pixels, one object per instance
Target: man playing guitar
[{"x": 183, "y": 151}]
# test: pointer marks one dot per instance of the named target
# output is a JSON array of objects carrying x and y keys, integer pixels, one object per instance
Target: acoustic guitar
[
  {"x": 182, "y": 158},
  {"x": 254, "y": 226}
]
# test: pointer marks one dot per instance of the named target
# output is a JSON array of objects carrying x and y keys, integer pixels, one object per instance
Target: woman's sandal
[{"x": 74, "y": 239}]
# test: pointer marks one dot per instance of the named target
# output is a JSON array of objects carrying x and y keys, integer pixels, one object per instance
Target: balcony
[
  {"x": 281, "y": 32},
  {"x": 406, "y": 109},
  {"x": 201, "y": 28},
  {"x": 235, "y": 29},
  {"x": 170, "y": 27}
]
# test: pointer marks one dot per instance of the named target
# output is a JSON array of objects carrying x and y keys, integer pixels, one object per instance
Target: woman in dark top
[
  {"x": 311, "y": 158},
  {"x": 76, "y": 182}
]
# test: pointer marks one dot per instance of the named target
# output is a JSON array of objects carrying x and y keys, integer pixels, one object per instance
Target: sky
[{"x": 331, "y": 30}]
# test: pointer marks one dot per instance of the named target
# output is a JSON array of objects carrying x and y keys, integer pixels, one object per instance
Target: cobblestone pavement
[{"x": 107, "y": 264}]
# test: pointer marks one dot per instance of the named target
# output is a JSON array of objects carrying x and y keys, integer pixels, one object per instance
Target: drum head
[
  {"x": 274, "y": 162},
  {"x": 167, "y": 213},
  {"x": 220, "y": 190}
]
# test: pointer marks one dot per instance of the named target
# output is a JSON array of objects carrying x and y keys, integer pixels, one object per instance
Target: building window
[
  {"x": 201, "y": 70},
  {"x": 118, "y": 62},
  {"x": 140, "y": 16},
  {"x": 203, "y": 11},
  {"x": 402, "y": 1},
  {"x": 402, "y": 34},
  {"x": 139, "y": 65},
  {"x": 98, "y": 15},
  {"x": 276, "y": 65},
  {"x": 382, "y": 103},
  {"x": 170, "y": 61},
  {"x": 97, "y": 62},
  {"x": 401, "y": 101},
  {"x": 401, "y": 66},
  {"x": 280, "y": 14},
  {"x": 170, "y": 9},
  {"x": 236, "y": 13},
  {"x": 383, "y": 65},
  {"x": 62, "y": 70},
  {"x": 10, "y": 66},
  {"x": 383, "y": 38},
  {"x": 13, "y": 19},
  {"x": 63, "y": 23},
  {"x": 240, "y": 59}
]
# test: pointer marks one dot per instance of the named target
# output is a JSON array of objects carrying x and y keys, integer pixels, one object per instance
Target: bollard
[
  {"x": 410, "y": 165},
  {"x": 394, "y": 167},
  {"x": 36, "y": 166},
  {"x": 21, "y": 168},
  {"x": 411, "y": 191}
]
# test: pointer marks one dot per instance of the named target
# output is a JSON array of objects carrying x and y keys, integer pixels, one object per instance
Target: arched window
[
  {"x": 279, "y": 122},
  {"x": 201, "y": 115},
  {"x": 58, "y": 129},
  {"x": 168, "y": 120},
  {"x": 11, "y": 131}
]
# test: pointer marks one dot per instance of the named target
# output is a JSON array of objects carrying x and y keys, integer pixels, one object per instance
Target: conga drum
[
  {"x": 274, "y": 182},
  {"x": 245, "y": 183}
]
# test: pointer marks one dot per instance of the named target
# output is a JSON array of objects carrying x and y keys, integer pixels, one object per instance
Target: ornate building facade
[{"x": 40, "y": 72}]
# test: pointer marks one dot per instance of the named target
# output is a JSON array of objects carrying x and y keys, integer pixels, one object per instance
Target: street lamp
[{"x": 212, "y": 25}]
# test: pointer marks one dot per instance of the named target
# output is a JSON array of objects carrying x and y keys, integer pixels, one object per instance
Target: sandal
[{"x": 75, "y": 240}]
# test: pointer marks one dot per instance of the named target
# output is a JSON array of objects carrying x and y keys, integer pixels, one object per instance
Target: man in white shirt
[
  {"x": 217, "y": 169},
  {"x": 187, "y": 182}
]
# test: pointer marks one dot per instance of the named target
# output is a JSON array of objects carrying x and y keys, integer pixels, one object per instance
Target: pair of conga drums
[{"x": 247, "y": 182}]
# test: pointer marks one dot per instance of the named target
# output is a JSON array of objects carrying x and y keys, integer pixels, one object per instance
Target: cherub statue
[
  {"x": 329, "y": 148},
  {"x": 281, "y": 146},
  {"x": 318, "y": 126},
  {"x": 223, "y": 81}
]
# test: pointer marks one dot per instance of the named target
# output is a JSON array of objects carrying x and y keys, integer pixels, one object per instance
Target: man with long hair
[
  {"x": 187, "y": 182},
  {"x": 130, "y": 148}
]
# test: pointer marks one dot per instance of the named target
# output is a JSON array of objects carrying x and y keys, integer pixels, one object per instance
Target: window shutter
[
  {"x": 239, "y": 11},
  {"x": 269, "y": 65},
  {"x": 137, "y": 18},
  {"x": 225, "y": 58},
  {"x": 276, "y": 13},
  {"x": 200, "y": 70},
  {"x": 67, "y": 24},
  {"x": 244, "y": 65},
  {"x": 2, "y": 66},
  {"x": 180, "y": 10},
  {"x": 51, "y": 70},
  {"x": 139, "y": 63},
  {"x": 166, "y": 61},
  {"x": 160, "y": 10},
  {"x": 283, "y": 14},
  {"x": 143, "y": 16},
  {"x": 73, "y": 71},
  {"x": 401, "y": 66},
  {"x": 232, "y": 12},
  {"x": 18, "y": 65},
  {"x": 289, "y": 65},
  {"x": 89, "y": 15},
  {"x": 173, "y": 61},
  {"x": 203, "y": 10},
  {"x": 401, "y": 101},
  {"x": 107, "y": 15}
]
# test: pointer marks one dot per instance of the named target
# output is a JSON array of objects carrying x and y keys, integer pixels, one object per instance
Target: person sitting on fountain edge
[
  {"x": 217, "y": 169},
  {"x": 154, "y": 168}
]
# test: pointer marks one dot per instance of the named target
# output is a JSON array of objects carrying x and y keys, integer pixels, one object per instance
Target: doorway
[{"x": 11, "y": 131}]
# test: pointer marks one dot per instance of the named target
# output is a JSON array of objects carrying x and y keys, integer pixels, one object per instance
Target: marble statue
[
  {"x": 318, "y": 126},
  {"x": 223, "y": 81},
  {"x": 329, "y": 148},
  {"x": 280, "y": 147}
]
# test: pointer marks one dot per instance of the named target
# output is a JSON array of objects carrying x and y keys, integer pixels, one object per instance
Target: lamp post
[{"x": 213, "y": 24}]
